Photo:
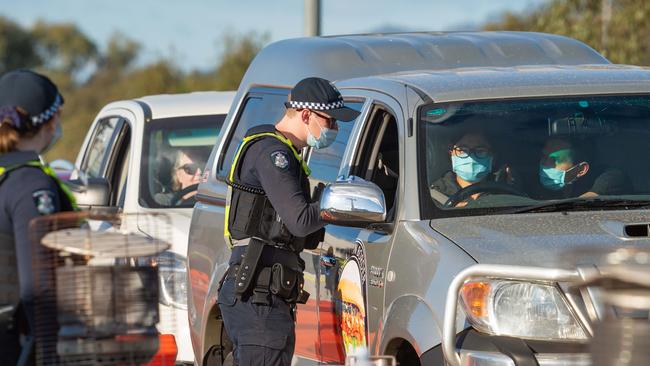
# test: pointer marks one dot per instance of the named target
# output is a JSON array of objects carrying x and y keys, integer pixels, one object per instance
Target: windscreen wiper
[{"x": 581, "y": 204}]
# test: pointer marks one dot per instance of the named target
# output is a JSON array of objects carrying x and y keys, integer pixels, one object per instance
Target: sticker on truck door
[{"x": 351, "y": 288}]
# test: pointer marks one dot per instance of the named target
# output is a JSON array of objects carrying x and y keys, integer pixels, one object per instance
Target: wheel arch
[{"x": 409, "y": 319}]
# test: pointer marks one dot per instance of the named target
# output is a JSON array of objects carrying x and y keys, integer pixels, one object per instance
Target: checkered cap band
[
  {"x": 48, "y": 113},
  {"x": 315, "y": 106}
]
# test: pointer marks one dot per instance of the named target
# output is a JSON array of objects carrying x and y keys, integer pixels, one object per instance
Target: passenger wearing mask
[
  {"x": 472, "y": 161},
  {"x": 30, "y": 107},
  {"x": 565, "y": 172}
]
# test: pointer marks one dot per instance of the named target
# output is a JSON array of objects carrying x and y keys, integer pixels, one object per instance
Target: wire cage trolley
[{"x": 97, "y": 288}]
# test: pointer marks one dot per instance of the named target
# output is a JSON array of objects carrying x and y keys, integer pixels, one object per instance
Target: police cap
[
  {"x": 31, "y": 93},
  {"x": 319, "y": 94}
]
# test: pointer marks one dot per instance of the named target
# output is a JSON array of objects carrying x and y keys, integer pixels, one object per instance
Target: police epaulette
[{"x": 245, "y": 188}]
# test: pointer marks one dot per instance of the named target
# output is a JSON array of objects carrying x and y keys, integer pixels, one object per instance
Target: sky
[{"x": 189, "y": 31}]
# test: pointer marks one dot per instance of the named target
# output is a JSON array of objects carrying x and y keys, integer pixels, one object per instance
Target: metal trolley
[{"x": 96, "y": 289}]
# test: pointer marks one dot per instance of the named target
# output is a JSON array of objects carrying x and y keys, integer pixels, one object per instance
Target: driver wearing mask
[
  {"x": 564, "y": 172},
  {"x": 472, "y": 160}
]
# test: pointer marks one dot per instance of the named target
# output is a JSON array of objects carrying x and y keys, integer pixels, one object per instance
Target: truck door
[
  {"x": 353, "y": 260},
  {"x": 105, "y": 160},
  {"x": 319, "y": 312}
]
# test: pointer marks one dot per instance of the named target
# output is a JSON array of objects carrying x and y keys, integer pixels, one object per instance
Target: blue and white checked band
[{"x": 48, "y": 113}]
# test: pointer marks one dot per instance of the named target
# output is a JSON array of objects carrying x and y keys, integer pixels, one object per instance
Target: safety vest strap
[
  {"x": 243, "y": 146},
  {"x": 4, "y": 171},
  {"x": 254, "y": 137}
]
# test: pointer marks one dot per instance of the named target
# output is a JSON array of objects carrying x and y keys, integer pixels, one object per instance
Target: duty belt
[{"x": 279, "y": 279}]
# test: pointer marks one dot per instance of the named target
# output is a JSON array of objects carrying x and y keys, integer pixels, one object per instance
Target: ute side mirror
[
  {"x": 90, "y": 192},
  {"x": 352, "y": 202}
]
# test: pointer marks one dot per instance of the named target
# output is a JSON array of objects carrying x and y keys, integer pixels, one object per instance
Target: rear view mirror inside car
[
  {"x": 193, "y": 137},
  {"x": 579, "y": 124}
]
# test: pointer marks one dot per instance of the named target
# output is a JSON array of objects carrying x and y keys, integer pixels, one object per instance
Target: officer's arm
[
  {"x": 37, "y": 196},
  {"x": 282, "y": 186}
]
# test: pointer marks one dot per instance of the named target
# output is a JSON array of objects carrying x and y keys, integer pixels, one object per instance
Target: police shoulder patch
[
  {"x": 44, "y": 201},
  {"x": 280, "y": 159}
]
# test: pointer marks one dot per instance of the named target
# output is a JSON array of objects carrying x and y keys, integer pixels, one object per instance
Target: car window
[
  {"x": 122, "y": 170},
  {"x": 325, "y": 163},
  {"x": 101, "y": 146},
  {"x": 261, "y": 106},
  {"x": 175, "y": 151},
  {"x": 378, "y": 157},
  {"x": 513, "y": 155},
  {"x": 117, "y": 165}
]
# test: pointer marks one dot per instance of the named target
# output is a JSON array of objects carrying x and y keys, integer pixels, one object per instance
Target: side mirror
[
  {"x": 353, "y": 202},
  {"x": 90, "y": 192}
]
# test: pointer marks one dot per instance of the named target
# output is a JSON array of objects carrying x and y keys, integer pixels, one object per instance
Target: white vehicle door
[{"x": 106, "y": 157}]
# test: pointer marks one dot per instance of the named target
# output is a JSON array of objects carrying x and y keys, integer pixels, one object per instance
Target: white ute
[{"x": 139, "y": 157}]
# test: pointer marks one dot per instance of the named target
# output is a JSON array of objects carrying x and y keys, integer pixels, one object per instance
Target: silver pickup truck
[{"x": 477, "y": 159}]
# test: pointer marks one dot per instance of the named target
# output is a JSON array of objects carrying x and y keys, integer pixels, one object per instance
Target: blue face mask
[
  {"x": 471, "y": 169},
  {"x": 327, "y": 136},
  {"x": 551, "y": 178}
]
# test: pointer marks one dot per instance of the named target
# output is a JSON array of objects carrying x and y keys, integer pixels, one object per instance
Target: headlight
[
  {"x": 173, "y": 280},
  {"x": 519, "y": 309}
]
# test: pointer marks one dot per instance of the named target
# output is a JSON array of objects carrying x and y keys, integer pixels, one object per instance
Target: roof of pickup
[
  {"x": 343, "y": 57},
  {"x": 513, "y": 82},
  {"x": 188, "y": 104}
]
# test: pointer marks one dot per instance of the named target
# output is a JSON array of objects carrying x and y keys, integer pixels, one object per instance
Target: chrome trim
[
  {"x": 352, "y": 201},
  {"x": 582, "y": 317},
  {"x": 483, "y": 358},
  {"x": 493, "y": 271},
  {"x": 589, "y": 294},
  {"x": 562, "y": 359}
]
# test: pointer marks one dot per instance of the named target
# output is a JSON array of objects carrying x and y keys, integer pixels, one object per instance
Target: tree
[
  {"x": 621, "y": 37},
  {"x": 62, "y": 52},
  {"x": 17, "y": 47},
  {"x": 120, "y": 53},
  {"x": 63, "y": 47},
  {"x": 238, "y": 54}
]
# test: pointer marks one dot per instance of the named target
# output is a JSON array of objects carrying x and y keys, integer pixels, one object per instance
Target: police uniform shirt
[
  {"x": 271, "y": 165},
  {"x": 25, "y": 193}
]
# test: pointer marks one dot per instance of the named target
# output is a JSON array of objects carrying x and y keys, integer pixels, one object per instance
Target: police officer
[
  {"x": 270, "y": 219},
  {"x": 30, "y": 106}
]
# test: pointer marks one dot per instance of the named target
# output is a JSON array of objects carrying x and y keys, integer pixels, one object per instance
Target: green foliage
[
  {"x": 17, "y": 48},
  {"x": 239, "y": 52},
  {"x": 121, "y": 52},
  {"x": 63, "y": 47},
  {"x": 620, "y": 35},
  {"x": 89, "y": 78}
]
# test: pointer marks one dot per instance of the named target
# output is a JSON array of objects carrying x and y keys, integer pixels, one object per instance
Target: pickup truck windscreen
[
  {"x": 175, "y": 151},
  {"x": 534, "y": 155}
]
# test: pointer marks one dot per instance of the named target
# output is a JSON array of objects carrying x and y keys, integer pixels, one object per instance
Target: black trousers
[{"x": 262, "y": 335}]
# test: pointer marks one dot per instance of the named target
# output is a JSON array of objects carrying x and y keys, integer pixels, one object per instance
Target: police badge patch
[
  {"x": 44, "y": 201},
  {"x": 280, "y": 159}
]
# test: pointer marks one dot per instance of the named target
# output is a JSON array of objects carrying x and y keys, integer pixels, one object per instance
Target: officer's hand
[{"x": 318, "y": 191}]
